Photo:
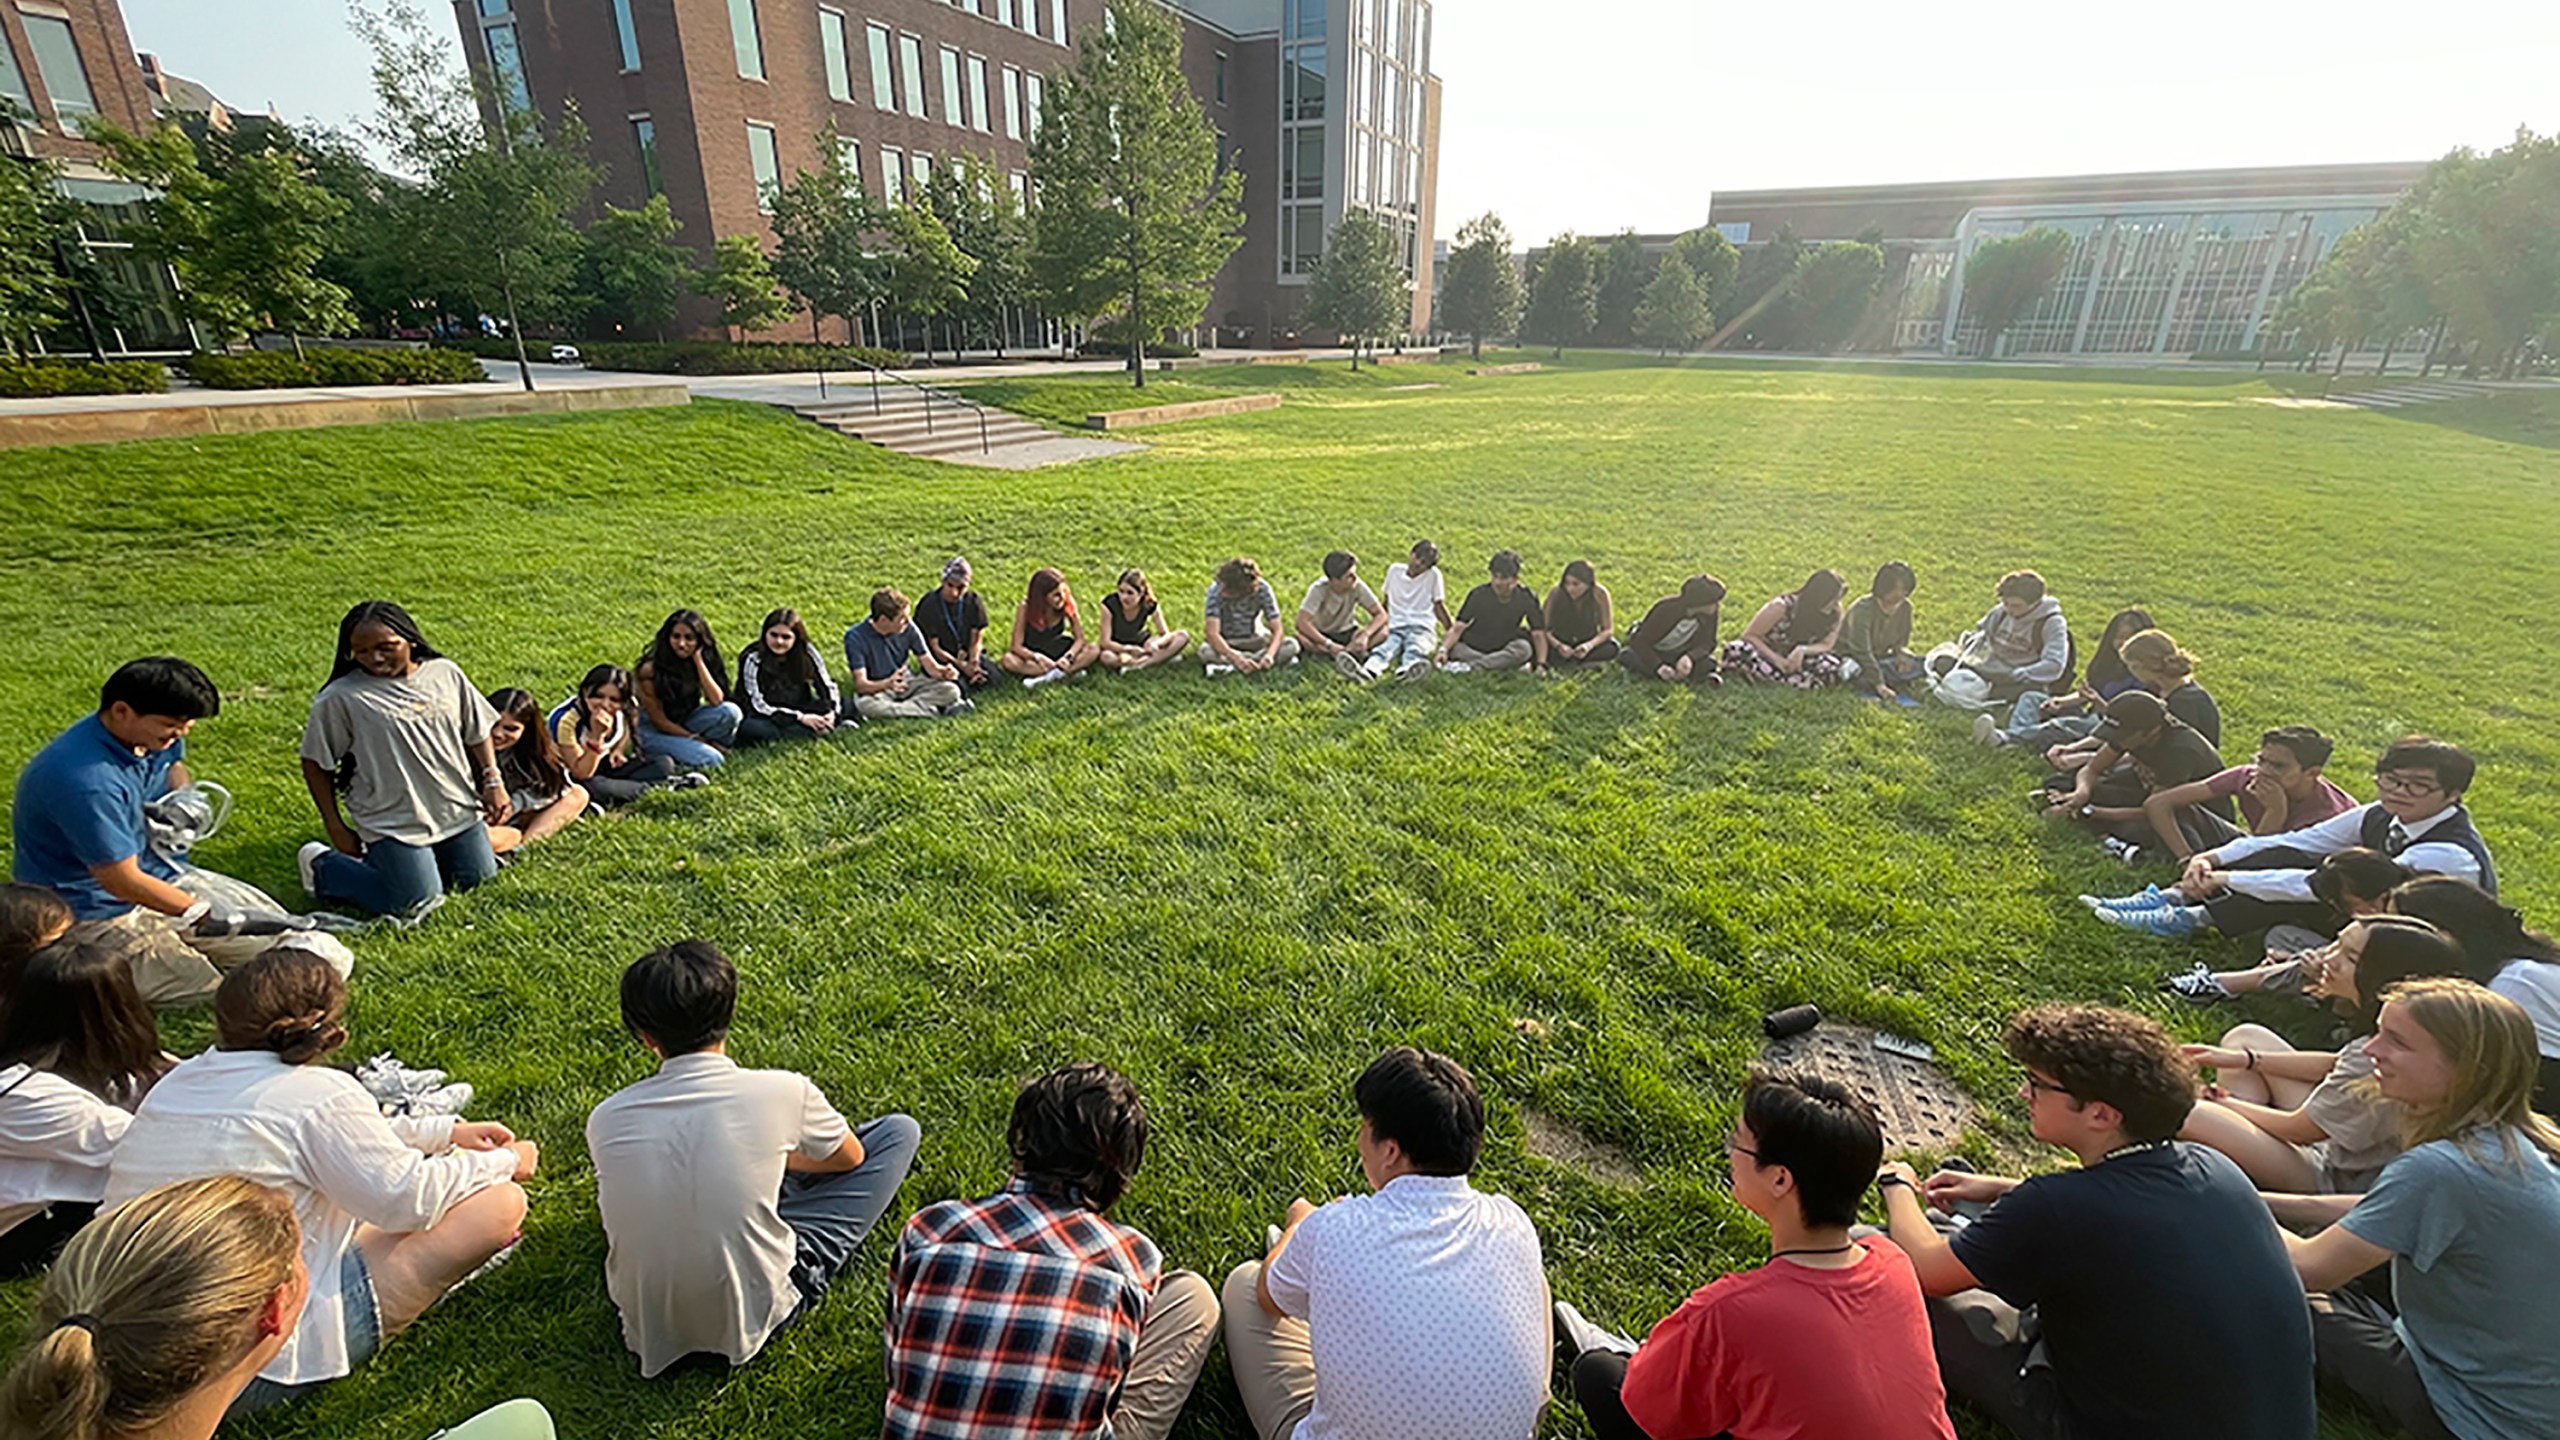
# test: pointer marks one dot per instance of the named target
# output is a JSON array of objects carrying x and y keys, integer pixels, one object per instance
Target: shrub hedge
[
  {"x": 1099, "y": 349},
  {"x": 716, "y": 357},
  {"x": 32, "y": 379},
  {"x": 277, "y": 370}
]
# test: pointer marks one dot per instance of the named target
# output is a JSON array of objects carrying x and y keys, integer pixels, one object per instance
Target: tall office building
[{"x": 1324, "y": 105}]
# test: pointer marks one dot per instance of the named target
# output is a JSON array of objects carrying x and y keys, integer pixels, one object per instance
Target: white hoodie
[{"x": 2013, "y": 642}]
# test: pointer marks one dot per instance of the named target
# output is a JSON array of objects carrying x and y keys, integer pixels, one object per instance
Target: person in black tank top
[
  {"x": 1049, "y": 642},
  {"x": 1135, "y": 635}
]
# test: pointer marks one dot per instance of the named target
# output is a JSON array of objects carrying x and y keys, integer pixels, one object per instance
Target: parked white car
[{"x": 565, "y": 355}]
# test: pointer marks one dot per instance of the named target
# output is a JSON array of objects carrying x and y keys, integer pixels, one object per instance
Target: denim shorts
[{"x": 364, "y": 1336}]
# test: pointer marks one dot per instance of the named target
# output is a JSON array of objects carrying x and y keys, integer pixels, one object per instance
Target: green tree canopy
[
  {"x": 828, "y": 230},
  {"x": 2005, "y": 277},
  {"x": 31, "y": 289},
  {"x": 1480, "y": 286},
  {"x": 634, "y": 273},
  {"x": 1673, "y": 315},
  {"x": 1833, "y": 290},
  {"x": 1133, "y": 212},
  {"x": 1563, "y": 294},
  {"x": 928, "y": 273},
  {"x": 1359, "y": 289},
  {"x": 1715, "y": 262},
  {"x": 1625, "y": 271},
  {"x": 1762, "y": 306},
  {"x": 741, "y": 283},
  {"x": 978, "y": 210}
]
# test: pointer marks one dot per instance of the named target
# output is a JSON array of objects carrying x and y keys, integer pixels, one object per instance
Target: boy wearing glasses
[
  {"x": 2258, "y": 881},
  {"x": 2146, "y": 1293}
]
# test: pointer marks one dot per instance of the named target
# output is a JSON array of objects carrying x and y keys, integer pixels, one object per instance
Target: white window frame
[
  {"x": 979, "y": 120},
  {"x": 836, "y": 48},
  {"x": 765, "y": 189},
  {"x": 953, "y": 98},
  {"x": 1012, "y": 102},
  {"x": 747, "y": 45},
  {"x": 880, "y": 43}
]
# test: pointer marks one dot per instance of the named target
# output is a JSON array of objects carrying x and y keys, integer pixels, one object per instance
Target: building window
[
  {"x": 1021, "y": 187},
  {"x": 644, "y": 136},
  {"x": 884, "y": 92},
  {"x": 849, "y": 160},
  {"x": 58, "y": 61},
  {"x": 1058, "y": 20},
  {"x": 13, "y": 81},
  {"x": 839, "y": 64},
  {"x": 1304, "y": 81},
  {"x": 1301, "y": 239},
  {"x": 506, "y": 66},
  {"x": 978, "y": 116},
  {"x": 1306, "y": 19},
  {"x": 767, "y": 162},
  {"x": 951, "y": 112},
  {"x": 492, "y": 9},
  {"x": 1031, "y": 91},
  {"x": 1221, "y": 89},
  {"x": 744, "y": 40},
  {"x": 1012, "y": 103},
  {"x": 922, "y": 165},
  {"x": 911, "y": 72},
  {"x": 1005, "y": 11},
  {"x": 625, "y": 36},
  {"x": 893, "y": 174}
]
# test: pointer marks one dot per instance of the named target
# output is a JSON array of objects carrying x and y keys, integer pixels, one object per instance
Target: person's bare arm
[
  {"x": 2291, "y": 1126},
  {"x": 128, "y": 881},
  {"x": 1299, "y": 1210},
  {"x": 846, "y": 1156},
  {"x": 324, "y": 796},
  {"x": 2161, "y": 808},
  {"x": 653, "y": 711},
  {"x": 2308, "y": 1066},
  {"x": 490, "y": 782},
  {"x": 1449, "y": 641},
  {"x": 713, "y": 693},
  {"x": 1304, "y": 623},
  {"x": 2308, "y": 1210},
  {"x": 1756, "y": 634},
  {"x": 2331, "y": 1258},
  {"x": 1907, "y": 1224}
]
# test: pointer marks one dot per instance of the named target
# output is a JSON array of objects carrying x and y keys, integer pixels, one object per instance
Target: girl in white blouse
[{"x": 78, "y": 1049}]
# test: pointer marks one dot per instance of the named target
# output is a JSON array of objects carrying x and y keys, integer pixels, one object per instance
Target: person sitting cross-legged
[
  {"x": 885, "y": 686},
  {"x": 953, "y": 618},
  {"x": 1419, "y": 1311},
  {"x": 2162, "y": 1300},
  {"x": 731, "y": 1198},
  {"x": 2023, "y": 642},
  {"x": 1794, "y": 639},
  {"x": 2468, "y": 1217},
  {"x": 1830, "y": 1338},
  {"x": 1031, "y": 1313},
  {"x": 1341, "y": 618},
  {"x": 1582, "y": 620},
  {"x": 1241, "y": 633},
  {"x": 1875, "y": 637},
  {"x": 1676, "y": 642},
  {"x": 1500, "y": 624},
  {"x": 2161, "y": 752}
]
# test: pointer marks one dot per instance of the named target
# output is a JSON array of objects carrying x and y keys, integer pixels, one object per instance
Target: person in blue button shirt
[{"x": 78, "y": 829}]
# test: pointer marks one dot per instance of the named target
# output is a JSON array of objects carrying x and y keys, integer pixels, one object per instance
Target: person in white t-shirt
[
  {"x": 1417, "y": 1312},
  {"x": 78, "y": 1050},
  {"x": 731, "y": 1198},
  {"x": 1417, "y": 611},
  {"x": 394, "y": 1212}
]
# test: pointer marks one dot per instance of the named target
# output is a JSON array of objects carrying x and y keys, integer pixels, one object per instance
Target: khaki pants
[
  {"x": 1173, "y": 1343},
  {"x": 173, "y": 967},
  {"x": 924, "y": 700},
  {"x": 1274, "y": 1368},
  {"x": 1510, "y": 657}
]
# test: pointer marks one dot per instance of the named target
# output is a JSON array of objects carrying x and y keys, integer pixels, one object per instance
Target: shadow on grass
[{"x": 2514, "y": 417}]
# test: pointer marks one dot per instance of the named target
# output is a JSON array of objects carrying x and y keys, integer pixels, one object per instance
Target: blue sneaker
[
  {"x": 2150, "y": 898},
  {"x": 2169, "y": 922}
]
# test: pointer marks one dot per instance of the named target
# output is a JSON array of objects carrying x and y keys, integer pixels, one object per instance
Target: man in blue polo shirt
[{"x": 78, "y": 829}]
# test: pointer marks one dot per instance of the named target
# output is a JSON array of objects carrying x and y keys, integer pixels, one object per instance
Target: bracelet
[
  {"x": 1888, "y": 1181},
  {"x": 2253, "y": 1058},
  {"x": 491, "y": 779}
]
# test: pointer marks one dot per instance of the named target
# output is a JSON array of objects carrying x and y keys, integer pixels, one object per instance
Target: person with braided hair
[
  {"x": 394, "y": 1212},
  {"x": 159, "y": 1316}
]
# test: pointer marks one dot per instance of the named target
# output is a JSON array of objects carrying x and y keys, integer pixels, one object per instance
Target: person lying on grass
[
  {"x": 877, "y": 652},
  {"x": 541, "y": 798},
  {"x": 1500, "y": 625},
  {"x": 1330, "y": 619},
  {"x": 731, "y": 1198},
  {"x": 1137, "y": 636},
  {"x": 1049, "y": 639},
  {"x": 784, "y": 683},
  {"x": 1831, "y": 1337},
  {"x": 2468, "y": 1218},
  {"x": 2162, "y": 1300}
]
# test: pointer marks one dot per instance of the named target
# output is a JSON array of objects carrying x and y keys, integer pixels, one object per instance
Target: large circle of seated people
[{"x": 225, "y": 1234}]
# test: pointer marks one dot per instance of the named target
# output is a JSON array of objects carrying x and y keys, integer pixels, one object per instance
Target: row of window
[
  {"x": 748, "y": 43},
  {"x": 66, "y": 80},
  {"x": 903, "y": 174}
]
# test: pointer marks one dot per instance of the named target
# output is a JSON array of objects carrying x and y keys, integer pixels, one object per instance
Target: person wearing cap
[
  {"x": 2165, "y": 753},
  {"x": 1676, "y": 640},
  {"x": 953, "y": 619}
]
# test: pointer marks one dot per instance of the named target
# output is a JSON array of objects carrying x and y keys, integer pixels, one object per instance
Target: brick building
[{"x": 712, "y": 102}]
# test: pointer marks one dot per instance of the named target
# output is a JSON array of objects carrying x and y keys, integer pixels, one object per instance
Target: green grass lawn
[{"x": 1238, "y": 892}]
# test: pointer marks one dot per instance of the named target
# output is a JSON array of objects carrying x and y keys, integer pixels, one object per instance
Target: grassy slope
[{"x": 1238, "y": 893}]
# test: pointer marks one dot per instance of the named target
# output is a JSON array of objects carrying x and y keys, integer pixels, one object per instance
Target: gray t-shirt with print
[{"x": 415, "y": 780}]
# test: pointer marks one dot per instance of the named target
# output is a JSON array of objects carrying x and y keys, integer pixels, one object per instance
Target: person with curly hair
[{"x": 2069, "y": 1305}]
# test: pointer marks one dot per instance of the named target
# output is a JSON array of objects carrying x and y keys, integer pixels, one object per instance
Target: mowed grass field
[{"x": 1587, "y": 891}]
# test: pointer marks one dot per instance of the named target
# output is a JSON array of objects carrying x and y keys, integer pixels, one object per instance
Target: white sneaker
[
  {"x": 1986, "y": 731},
  {"x": 307, "y": 862},
  {"x": 688, "y": 780},
  {"x": 1457, "y": 667},
  {"x": 385, "y": 1078},
  {"x": 1350, "y": 666},
  {"x": 1214, "y": 669},
  {"x": 1034, "y": 682},
  {"x": 450, "y": 1099},
  {"x": 1585, "y": 1336}
]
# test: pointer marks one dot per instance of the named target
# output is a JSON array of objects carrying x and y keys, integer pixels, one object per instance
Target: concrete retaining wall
[
  {"x": 1190, "y": 410},
  {"x": 170, "y": 416}
]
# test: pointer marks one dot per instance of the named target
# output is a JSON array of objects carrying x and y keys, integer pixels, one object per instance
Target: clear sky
[{"x": 1602, "y": 114}]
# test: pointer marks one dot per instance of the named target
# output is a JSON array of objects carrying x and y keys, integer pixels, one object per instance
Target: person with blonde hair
[
  {"x": 158, "y": 1316},
  {"x": 394, "y": 1212},
  {"x": 2467, "y": 1217}
]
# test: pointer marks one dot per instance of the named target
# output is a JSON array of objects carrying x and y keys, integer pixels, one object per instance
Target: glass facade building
[{"x": 1354, "y": 99}]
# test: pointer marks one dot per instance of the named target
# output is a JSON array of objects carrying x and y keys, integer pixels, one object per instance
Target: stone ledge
[
  {"x": 1521, "y": 369},
  {"x": 235, "y": 416},
  {"x": 1189, "y": 410}
]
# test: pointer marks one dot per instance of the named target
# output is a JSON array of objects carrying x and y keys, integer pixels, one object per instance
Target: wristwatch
[{"x": 1887, "y": 1181}]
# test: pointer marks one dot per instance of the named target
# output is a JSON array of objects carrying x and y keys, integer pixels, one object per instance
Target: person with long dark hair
[
  {"x": 591, "y": 731},
  {"x": 1792, "y": 640},
  {"x": 1135, "y": 634},
  {"x": 31, "y": 917},
  {"x": 540, "y": 793},
  {"x": 2499, "y": 952},
  {"x": 784, "y": 685},
  {"x": 1582, "y": 620},
  {"x": 400, "y": 738},
  {"x": 685, "y": 715},
  {"x": 78, "y": 1051},
  {"x": 1049, "y": 639}
]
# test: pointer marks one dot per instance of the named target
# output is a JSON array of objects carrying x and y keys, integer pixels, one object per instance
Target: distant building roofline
[{"x": 2356, "y": 176}]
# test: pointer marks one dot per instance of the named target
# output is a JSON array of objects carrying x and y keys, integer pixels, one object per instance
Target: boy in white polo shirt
[
  {"x": 1418, "y": 1312},
  {"x": 731, "y": 1197},
  {"x": 1417, "y": 610}
]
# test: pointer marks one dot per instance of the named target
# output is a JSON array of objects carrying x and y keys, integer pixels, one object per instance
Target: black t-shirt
[
  {"x": 1653, "y": 635},
  {"x": 1131, "y": 629},
  {"x": 2169, "y": 1303},
  {"x": 2179, "y": 756},
  {"x": 1493, "y": 622},
  {"x": 2193, "y": 703},
  {"x": 949, "y": 623}
]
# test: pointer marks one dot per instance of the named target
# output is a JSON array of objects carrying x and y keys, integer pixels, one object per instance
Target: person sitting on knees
[
  {"x": 2163, "y": 1301},
  {"x": 395, "y": 1212},
  {"x": 1831, "y": 1337},
  {"x": 1500, "y": 624},
  {"x": 1030, "y": 1312},
  {"x": 731, "y": 1198},
  {"x": 2468, "y": 1216},
  {"x": 79, "y": 829},
  {"x": 158, "y": 1317},
  {"x": 2259, "y": 881},
  {"x": 1418, "y": 1311}
]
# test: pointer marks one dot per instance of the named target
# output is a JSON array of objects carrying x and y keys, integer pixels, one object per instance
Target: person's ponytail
[
  {"x": 57, "y": 1390},
  {"x": 288, "y": 1001}
]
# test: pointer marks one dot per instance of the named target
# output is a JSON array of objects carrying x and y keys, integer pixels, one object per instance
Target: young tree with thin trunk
[
  {"x": 634, "y": 273},
  {"x": 1563, "y": 294},
  {"x": 1480, "y": 286},
  {"x": 741, "y": 283},
  {"x": 1715, "y": 262},
  {"x": 2004, "y": 278},
  {"x": 1132, "y": 210},
  {"x": 826, "y": 254},
  {"x": 1359, "y": 289},
  {"x": 1673, "y": 314},
  {"x": 1624, "y": 272},
  {"x": 928, "y": 274}
]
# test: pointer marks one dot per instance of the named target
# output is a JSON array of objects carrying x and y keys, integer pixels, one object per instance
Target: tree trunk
[
  {"x": 2341, "y": 367},
  {"x": 515, "y": 328},
  {"x": 1475, "y": 347},
  {"x": 297, "y": 346},
  {"x": 2385, "y": 367}
]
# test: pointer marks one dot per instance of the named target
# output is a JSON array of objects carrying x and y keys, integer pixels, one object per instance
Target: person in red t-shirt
[{"x": 1830, "y": 1338}]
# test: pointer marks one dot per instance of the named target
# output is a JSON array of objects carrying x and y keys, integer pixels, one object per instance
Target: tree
[
  {"x": 1562, "y": 295},
  {"x": 1673, "y": 314},
  {"x": 826, "y": 223},
  {"x": 2006, "y": 276},
  {"x": 1833, "y": 290},
  {"x": 740, "y": 282},
  {"x": 1762, "y": 303},
  {"x": 928, "y": 274},
  {"x": 1625, "y": 271},
  {"x": 1715, "y": 262},
  {"x": 1480, "y": 286},
  {"x": 31, "y": 289},
  {"x": 2484, "y": 242},
  {"x": 986, "y": 222},
  {"x": 633, "y": 272},
  {"x": 1133, "y": 211},
  {"x": 1359, "y": 288},
  {"x": 368, "y": 251},
  {"x": 244, "y": 228}
]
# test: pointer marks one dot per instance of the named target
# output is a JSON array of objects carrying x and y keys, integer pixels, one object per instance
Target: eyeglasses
[
  {"x": 1733, "y": 1147},
  {"x": 2038, "y": 1085},
  {"x": 2399, "y": 784}
]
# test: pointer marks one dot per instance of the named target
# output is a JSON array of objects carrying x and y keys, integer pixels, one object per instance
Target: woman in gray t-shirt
[{"x": 400, "y": 738}]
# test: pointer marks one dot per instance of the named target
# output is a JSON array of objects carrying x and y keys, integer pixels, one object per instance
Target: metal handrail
[{"x": 930, "y": 392}]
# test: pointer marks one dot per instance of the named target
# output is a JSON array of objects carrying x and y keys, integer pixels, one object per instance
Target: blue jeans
[
  {"x": 2029, "y": 730},
  {"x": 395, "y": 877},
  {"x": 830, "y": 1215},
  {"x": 364, "y": 1337},
  {"x": 712, "y": 726}
]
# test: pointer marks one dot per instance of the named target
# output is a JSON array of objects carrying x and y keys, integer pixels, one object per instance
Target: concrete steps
[
  {"x": 2414, "y": 392},
  {"x": 935, "y": 427}
]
